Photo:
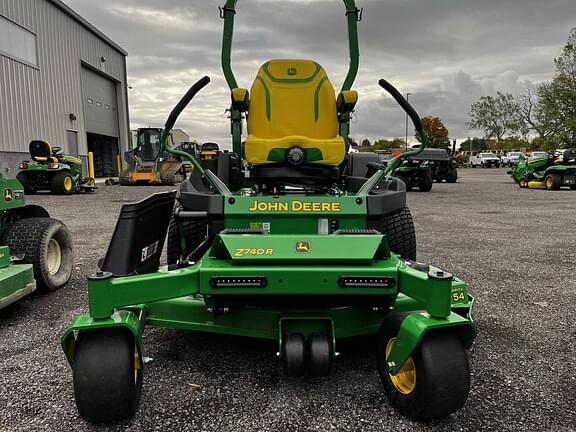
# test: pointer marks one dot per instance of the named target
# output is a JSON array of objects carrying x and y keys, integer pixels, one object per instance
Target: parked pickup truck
[
  {"x": 511, "y": 159},
  {"x": 485, "y": 160}
]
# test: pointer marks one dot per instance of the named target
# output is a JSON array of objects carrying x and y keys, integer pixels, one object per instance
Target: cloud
[{"x": 447, "y": 53}]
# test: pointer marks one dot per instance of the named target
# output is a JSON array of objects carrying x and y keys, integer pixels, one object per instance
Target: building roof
[{"x": 72, "y": 14}]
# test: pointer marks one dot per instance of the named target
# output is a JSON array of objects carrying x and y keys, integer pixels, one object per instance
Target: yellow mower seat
[{"x": 292, "y": 104}]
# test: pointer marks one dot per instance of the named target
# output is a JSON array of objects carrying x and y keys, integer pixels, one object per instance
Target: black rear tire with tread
[
  {"x": 193, "y": 231},
  {"x": 59, "y": 182},
  {"x": 31, "y": 237},
  {"x": 399, "y": 229},
  {"x": 553, "y": 181},
  {"x": 442, "y": 373},
  {"x": 107, "y": 375},
  {"x": 453, "y": 176},
  {"x": 426, "y": 182}
]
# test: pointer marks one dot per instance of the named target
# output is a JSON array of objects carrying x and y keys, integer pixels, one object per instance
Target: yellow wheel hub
[
  {"x": 549, "y": 182},
  {"x": 405, "y": 379},
  {"x": 68, "y": 184},
  {"x": 53, "y": 257}
]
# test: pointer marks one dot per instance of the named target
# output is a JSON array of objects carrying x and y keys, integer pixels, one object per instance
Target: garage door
[{"x": 100, "y": 105}]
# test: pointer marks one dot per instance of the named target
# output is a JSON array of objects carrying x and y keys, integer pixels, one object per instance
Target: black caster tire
[
  {"x": 107, "y": 375},
  {"x": 294, "y": 355},
  {"x": 320, "y": 354},
  {"x": 433, "y": 383},
  {"x": 46, "y": 244}
]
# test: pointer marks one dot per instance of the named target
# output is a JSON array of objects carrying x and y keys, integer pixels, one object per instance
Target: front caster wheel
[
  {"x": 107, "y": 375},
  {"x": 319, "y": 349},
  {"x": 433, "y": 383},
  {"x": 294, "y": 355}
]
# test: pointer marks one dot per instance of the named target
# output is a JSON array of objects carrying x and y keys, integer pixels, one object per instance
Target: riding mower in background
[
  {"x": 443, "y": 166},
  {"x": 415, "y": 173},
  {"x": 550, "y": 172},
  {"x": 148, "y": 163},
  {"x": 51, "y": 170},
  {"x": 295, "y": 245},
  {"x": 35, "y": 250}
]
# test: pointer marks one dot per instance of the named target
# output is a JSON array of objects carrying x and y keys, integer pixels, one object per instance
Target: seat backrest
[
  {"x": 40, "y": 151},
  {"x": 292, "y": 97}
]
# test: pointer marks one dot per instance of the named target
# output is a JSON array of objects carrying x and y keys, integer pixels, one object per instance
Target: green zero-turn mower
[
  {"x": 296, "y": 244},
  {"x": 414, "y": 171},
  {"x": 35, "y": 250},
  {"x": 51, "y": 170},
  {"x": 550, "y": 172}
]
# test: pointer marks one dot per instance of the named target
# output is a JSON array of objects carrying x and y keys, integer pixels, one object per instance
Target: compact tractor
[
  {"x": 52, "y": 170},
  {"x": 549, "y": 171},
  {"x": 35, "y": 250},
  {"x": 289, "y": 238},
  {"x": 149, "y": 163}
]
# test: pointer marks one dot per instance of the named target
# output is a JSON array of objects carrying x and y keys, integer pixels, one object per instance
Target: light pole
[{"x": 406, "y": 137}]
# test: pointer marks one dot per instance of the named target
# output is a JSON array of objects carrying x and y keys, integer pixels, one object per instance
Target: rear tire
[
  {"x": 107, "y": 375},
  {"x": 62, "y": 183},
  {"x": 193, "y": 231},
  {"x": 426, "y": 182},
  {"x": 433, "y": 383},
  {"x": 453, "y": 176},
  {"x": 400, "y": 232},
  {"x": 46, "y": 244},
  {"x": 22, "y": 177},
  {"x": 553, "y": 181}
]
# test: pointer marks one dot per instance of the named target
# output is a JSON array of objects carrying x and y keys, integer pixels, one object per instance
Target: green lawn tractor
[
  {"x": 35, "y": 250},
  {"x": 550, "y": 172},
  {"x": 415, "y": 173},
  {"x": 51, "y": 170},
  {"x": 444, "y": 167},
  {"x": 289, "y": 238}
]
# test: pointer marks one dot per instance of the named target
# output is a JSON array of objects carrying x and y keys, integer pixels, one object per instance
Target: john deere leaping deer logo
[
  {"x": 8, "y": 195},
  {"x": 302, "y": 247},
  {"x": 292, "y": 71}
]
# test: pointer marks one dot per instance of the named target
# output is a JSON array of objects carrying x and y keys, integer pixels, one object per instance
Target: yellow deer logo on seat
[{"x": 302, "y": 247}]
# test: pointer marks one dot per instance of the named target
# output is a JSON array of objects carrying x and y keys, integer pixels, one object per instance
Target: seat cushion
[{"x": 319, "y": 151}]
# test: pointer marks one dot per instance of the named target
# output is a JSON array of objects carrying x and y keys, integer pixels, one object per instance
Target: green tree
[
  {"x": 557, "y": 99},
  {"x": 435, "y": 130},
  {"x": 474, "y": 144},
  {"x": 496, "y": 116}
]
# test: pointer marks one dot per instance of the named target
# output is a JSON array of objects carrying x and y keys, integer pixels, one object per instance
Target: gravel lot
[{"x": 516, "y": 248}]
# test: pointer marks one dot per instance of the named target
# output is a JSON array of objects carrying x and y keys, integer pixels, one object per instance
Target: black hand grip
[
  {"x": 403, "y": 103},
  {"x": 199, "y": 85}
]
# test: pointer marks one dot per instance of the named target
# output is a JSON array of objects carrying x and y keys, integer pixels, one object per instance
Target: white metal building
[{"x": 62, "y": 81}]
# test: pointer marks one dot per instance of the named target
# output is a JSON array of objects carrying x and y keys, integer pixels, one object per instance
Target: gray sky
[{"x": 447, "y": 53}]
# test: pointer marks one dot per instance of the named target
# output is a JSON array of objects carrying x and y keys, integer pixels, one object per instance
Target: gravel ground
[{"x": 515, "y": 247}]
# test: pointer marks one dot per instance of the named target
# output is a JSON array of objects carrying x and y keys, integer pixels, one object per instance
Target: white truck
[
  {"x": 511, "y": 158},
  {"x": 485, "y": 160}
]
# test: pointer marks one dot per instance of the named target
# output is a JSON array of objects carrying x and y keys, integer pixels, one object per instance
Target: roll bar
[
  {"x": 393, "y": 163},
  {"x": 353, "y": 15}
]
